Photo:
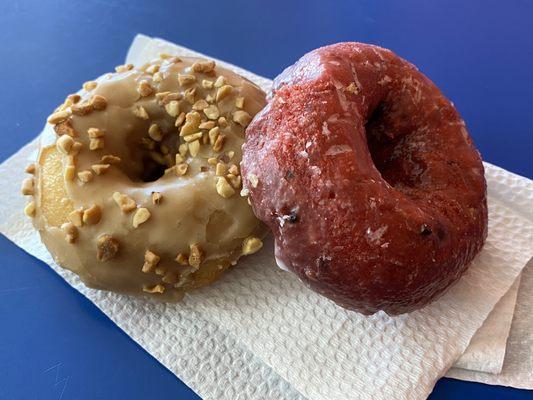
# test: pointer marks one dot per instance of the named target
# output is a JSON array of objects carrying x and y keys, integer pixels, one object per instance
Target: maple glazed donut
[
  {"x": 137, "y": 190},
  {"x": 368, "y": 179}
]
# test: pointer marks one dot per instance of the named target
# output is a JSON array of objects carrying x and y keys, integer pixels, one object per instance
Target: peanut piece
[
  {"x": 125, "y": 202},
  {"x": 223, "y": 188},
  {"x": 30, "y": 208},
  {"x": 251, "y": 245},
  {"x": 140, "y": 217},
  {"x": 106, "y": 247},
  {"x": 92, "y": 215}
]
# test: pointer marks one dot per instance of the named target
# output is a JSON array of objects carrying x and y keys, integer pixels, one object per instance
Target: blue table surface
[{"x": 54, "y": 343}]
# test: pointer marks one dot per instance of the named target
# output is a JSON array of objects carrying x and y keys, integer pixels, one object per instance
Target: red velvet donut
[{"x": 367, "y": 177}]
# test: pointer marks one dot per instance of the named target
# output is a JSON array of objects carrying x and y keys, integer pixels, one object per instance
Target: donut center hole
[
  {"x": 152, "y": 170},
  {"x": 156, "y": 158},
  {"x": 389, "y": 145}
]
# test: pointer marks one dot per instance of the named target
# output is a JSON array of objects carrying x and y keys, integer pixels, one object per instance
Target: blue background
[{"x": 54, "y": 344}]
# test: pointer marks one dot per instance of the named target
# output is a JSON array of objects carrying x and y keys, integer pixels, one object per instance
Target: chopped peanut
[
  {"x": 58, "y": 117},
  {"x": 96, "y": 144},
  {"x": 194, "y": 136},
  {"x": 192, "y": 122},
  {"x": 140, "y": 217},
  {"x": 173, "y": 108},
  {"x": 95, "y": 133},
  {"x": 82, "y": 109},
  {"x": 221, "y": 81},
  {"x": 185, "y": 79},
  {"x": 141, "y": 112},
  {"x": 222, "y": 122},
  {"x": 76, "y": 217},
  {"x": 65, "y": 128},
  {"x": 73, "y": 98},
  {"x": 234, "y": 170},
  {"x": 219, "y": 143},
  {"x": 76, "y": 148},
  {"x": 181, "y": 169},
  {"x": 124, "y": 68},
  {"x": 183, "y": 149},
  {"x": 145, "y": 89},
  {"x": 152, "y": 69},
  {"x": 71, "y": 232},
  {"x": 106, "y": 247},
  {"x": 30, "y": 169},
  {"x": 85, "y": 176},
  {"x": 180, "y": 120},
  {"x": 156, "y": 289},
  {"x": 166, "y": 97},
  {"x": 242, "y": 117},
  {"x": 235, "y": 180},
  {"x": 182, "y": 259},
  {"x": 207, "y": 125},
  {"x": 190, "y": 95},
  {"x": 212, "y": 112},
  {"x": 30, "y": 208},
  {"x": 92, "y": 215},
  {"x": 251, "y": 245},
  {"x": 90, "y": 85},
  {"x": 125, "y": 202},
  {"x": 207, "y": 84},
  {"x": 194, "y": 148},
  {"x": 155, "y": 132},
  {"x": 220, "y": 169},
  {"x": 223, "y": 92},
  {"x": 110, "y": 159},
  {"x": 224, "y": 188},
  {"x": 28, "y": 186},
  {"x": 200, "y": 105},
  {"x": 99, "y": 102},
  {"x": 150, "y": 261},
  {"x": 213, "y": 135},
  {"x": 64, "y": 144},
  {"x": 156, "y": 198},
  {"x": 203, "y": 66},
  {"x": 100, "y": 169},
  {"x": 195, "y": 256}
]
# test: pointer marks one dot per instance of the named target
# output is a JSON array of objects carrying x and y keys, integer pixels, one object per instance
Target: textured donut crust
[{"x": 368, "y": 179}]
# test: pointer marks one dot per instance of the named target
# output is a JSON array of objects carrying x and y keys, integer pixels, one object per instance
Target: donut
[
  {"x": 368, "y": 179},
  {"x": 136, "y": 185}
]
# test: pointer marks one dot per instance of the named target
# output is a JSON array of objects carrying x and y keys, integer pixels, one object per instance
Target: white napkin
[
  {"x": 223, "y": 338},
  {"x": 486, "y": 350},
  {"x": 517, "y": 368}
]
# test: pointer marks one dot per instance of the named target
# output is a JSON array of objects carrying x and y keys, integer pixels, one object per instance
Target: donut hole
[
  {"x": 392, "y": 149},
  {"x": 153, "y": 159},
  {"x": 152, "y": 170}
]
